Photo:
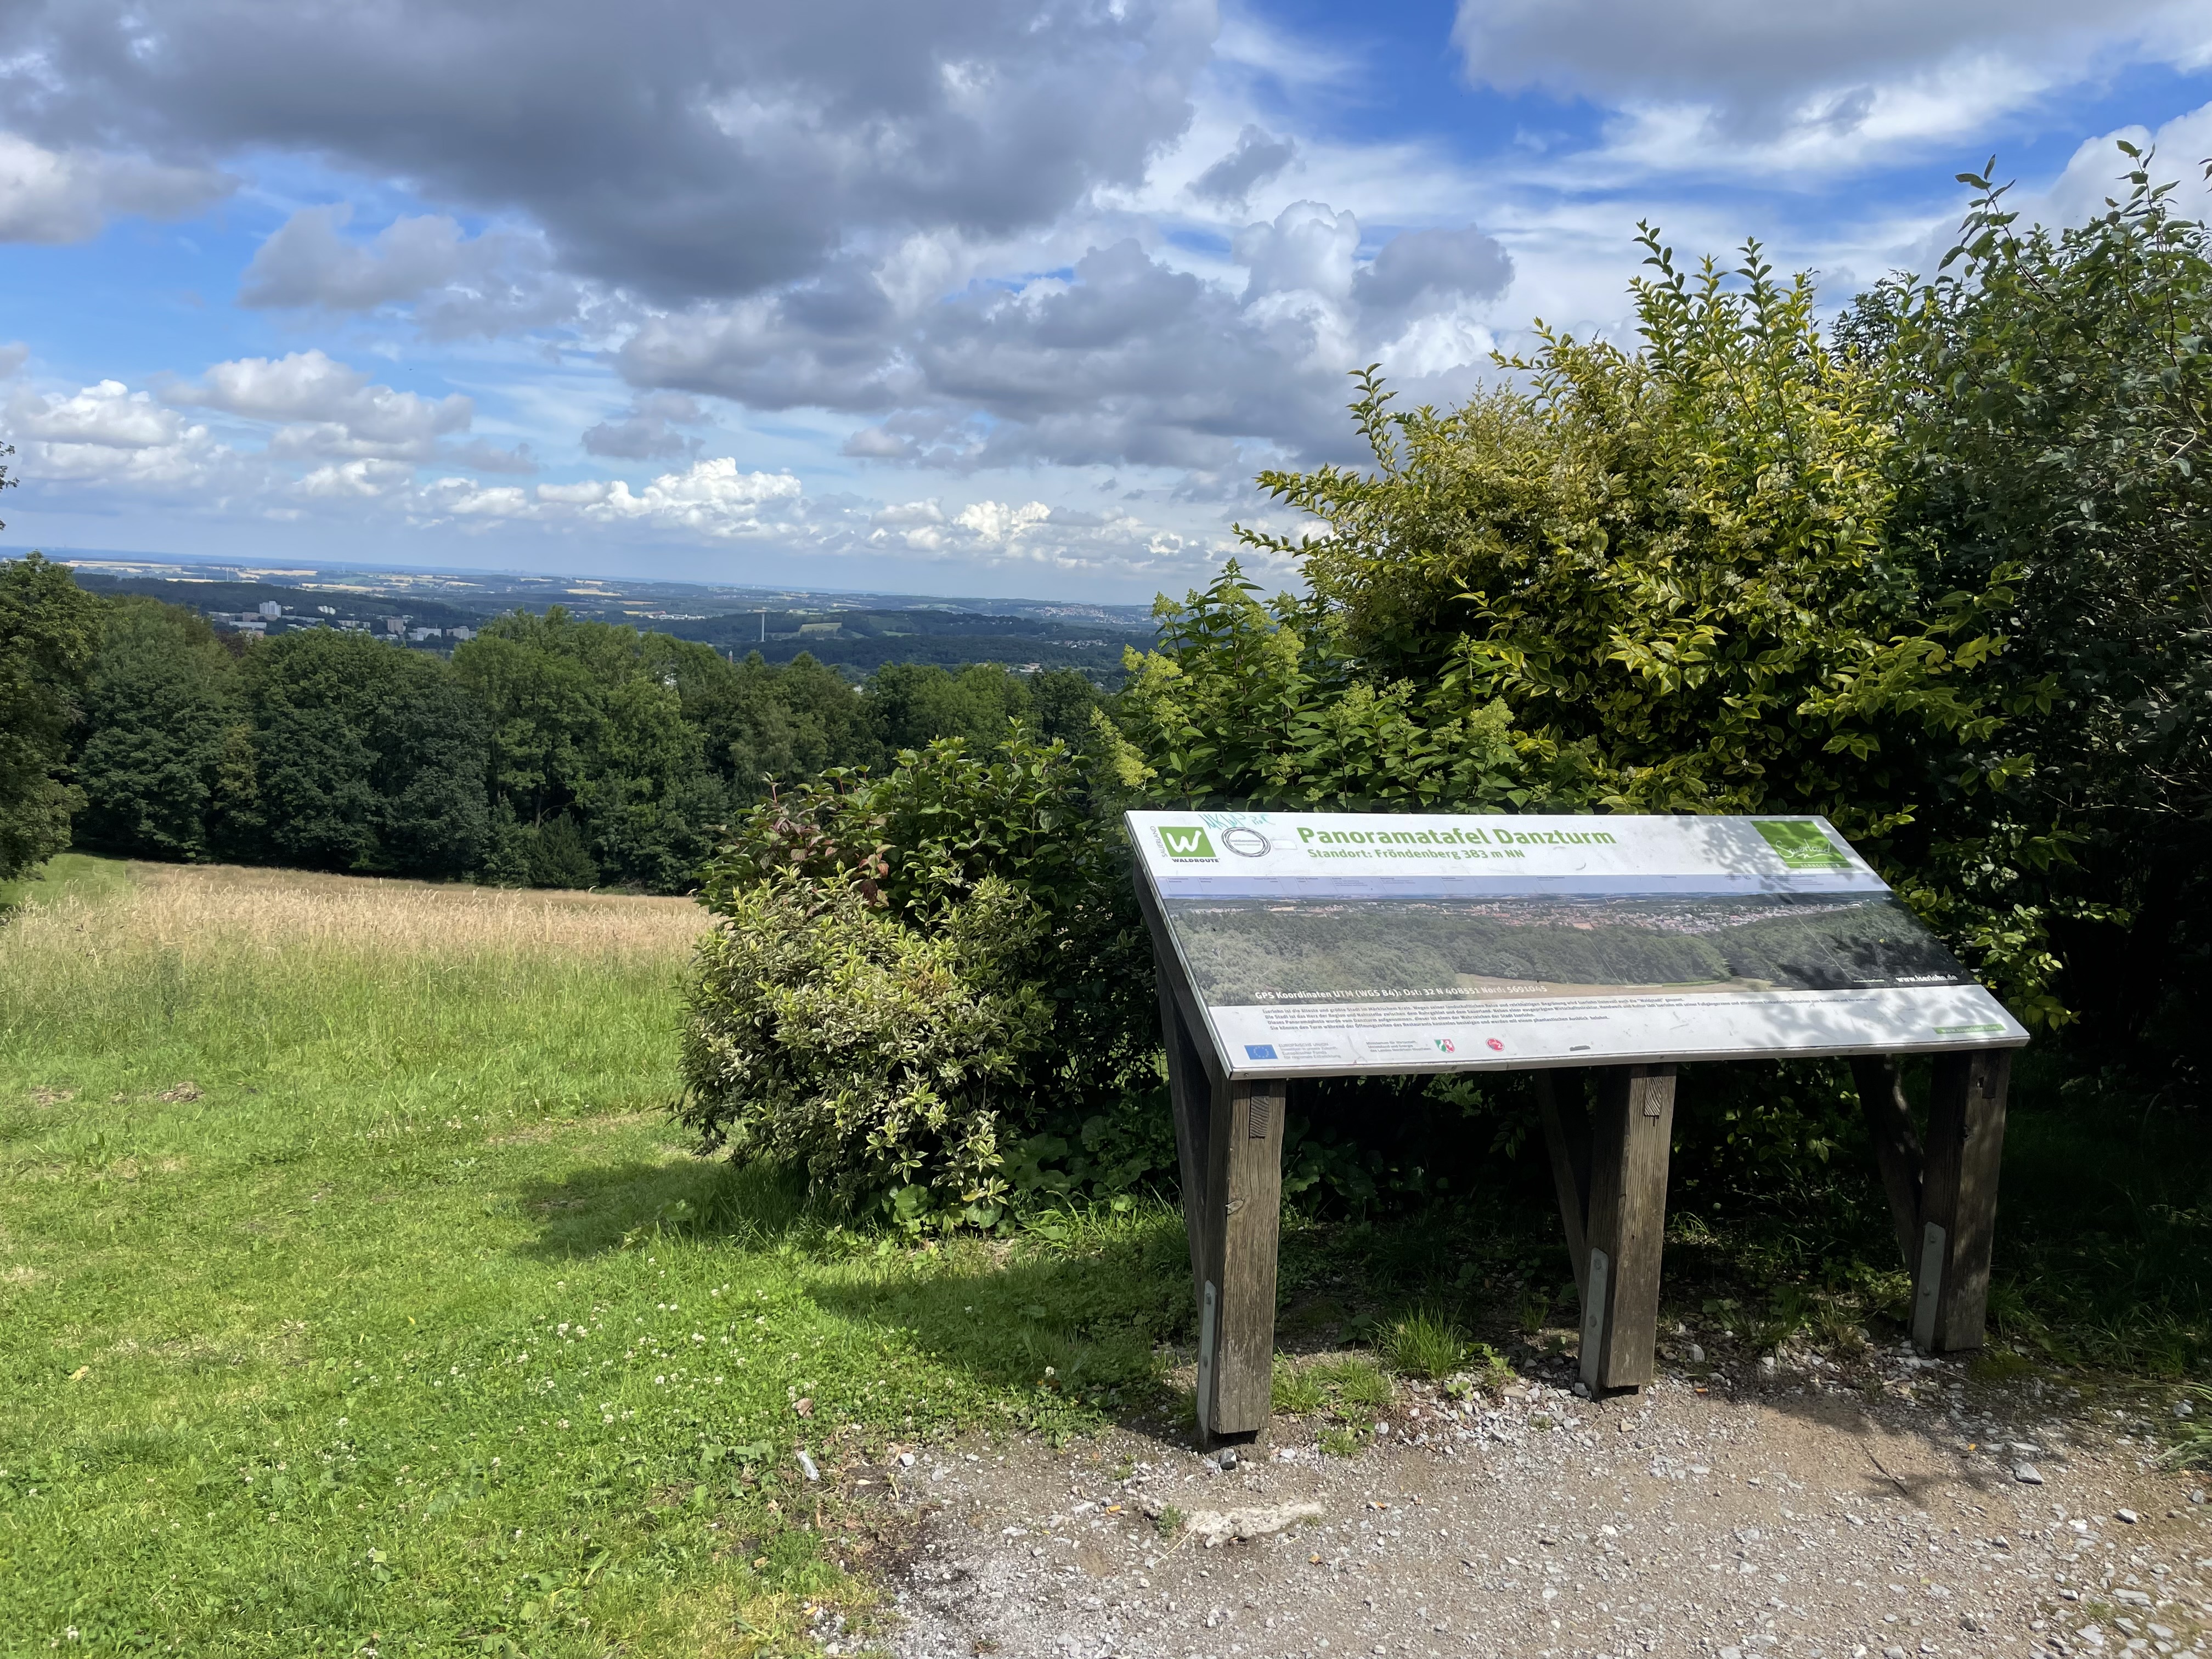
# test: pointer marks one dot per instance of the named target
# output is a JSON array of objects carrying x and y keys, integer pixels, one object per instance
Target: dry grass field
[{"x": 197, "y": 909}]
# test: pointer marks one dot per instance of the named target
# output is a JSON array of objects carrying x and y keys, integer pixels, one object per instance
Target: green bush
[
  {"x": 1663, "y": 578},
  {"x": 931, "y": 988},
  {"x": 823, "y": 1030}
]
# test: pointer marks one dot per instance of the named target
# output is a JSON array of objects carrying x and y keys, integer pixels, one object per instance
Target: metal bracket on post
[
  {"x": 1928, "y": 1286},
  {"x": 1207, "y": 1331},
  {"x": 1594, "y": 1312}
]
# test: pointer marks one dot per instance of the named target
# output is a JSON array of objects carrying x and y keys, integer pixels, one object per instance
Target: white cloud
[
  {"x": 69, "y": 195},
  {"x": 456, "y": 284},
  {"x": 331, "y": 410},
  {"x": 354, "y": 481},
  {"x": 1749, "y": 88},
  {"x": 108, "y": 416},
  {"x": 107, "y": 435},
  {"x": 1126, "y": 360}
]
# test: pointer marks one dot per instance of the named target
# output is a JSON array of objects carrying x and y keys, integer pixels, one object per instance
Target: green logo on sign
[
  {"x": 1802, "y": 846},
  {"x": 1186, "y": 842}
]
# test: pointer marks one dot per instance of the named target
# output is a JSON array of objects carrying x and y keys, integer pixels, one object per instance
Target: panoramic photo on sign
[{"x": 1324, "y": 942}]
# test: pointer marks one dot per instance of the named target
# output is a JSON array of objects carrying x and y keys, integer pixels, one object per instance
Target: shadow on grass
[
  {"x": 1059, "y": 1330},
  {"x": 595, "y": 1211}
]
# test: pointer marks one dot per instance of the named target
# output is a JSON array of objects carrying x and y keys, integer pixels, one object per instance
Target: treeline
[{"x": 548, "y": 751}]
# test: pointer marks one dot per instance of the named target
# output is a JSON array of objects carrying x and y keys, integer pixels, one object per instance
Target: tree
[
  {"x": 1062, "y": 701},
  {"x": 1660, "y": 578},
  {"x": 587, "y": 721},
  {"x": 366, "y": 757},
  {"x": 160, "y": 715},
  {"x": 911, "y": 705},
  {"x": 2053, "y": 390},
  {"x": 49, "y": 632},
  {"x": 760, "y": 723}
]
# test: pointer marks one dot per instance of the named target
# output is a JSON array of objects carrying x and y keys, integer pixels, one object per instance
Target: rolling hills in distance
[{"x": 857, "y": 633}]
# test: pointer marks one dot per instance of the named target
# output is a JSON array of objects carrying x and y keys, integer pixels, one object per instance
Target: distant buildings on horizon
[{"x": 270, "y": 618}]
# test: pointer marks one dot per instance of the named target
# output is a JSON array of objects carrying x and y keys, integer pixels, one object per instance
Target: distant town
[{"x": 271, "y": 618}]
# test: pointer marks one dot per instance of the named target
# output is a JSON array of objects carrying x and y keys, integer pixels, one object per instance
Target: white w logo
[{"x": 1186, "y": 842}]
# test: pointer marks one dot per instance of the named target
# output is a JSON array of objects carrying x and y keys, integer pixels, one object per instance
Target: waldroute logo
[
  {"x": 1801, "y": 846},
  {"x": 1186, "y": 840}
]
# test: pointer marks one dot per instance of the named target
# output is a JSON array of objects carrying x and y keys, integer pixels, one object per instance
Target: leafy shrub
[
  {"x": 824, "y": 1031},
  {"x": 1663, "y": 578},
  {"x": 931, "y": 988}
]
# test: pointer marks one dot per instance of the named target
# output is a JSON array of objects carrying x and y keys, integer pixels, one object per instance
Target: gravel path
[{"x": 1878, "y": 1510}]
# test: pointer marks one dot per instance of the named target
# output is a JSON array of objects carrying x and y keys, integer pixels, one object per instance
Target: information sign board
[{"x": 1321, "y": 944}]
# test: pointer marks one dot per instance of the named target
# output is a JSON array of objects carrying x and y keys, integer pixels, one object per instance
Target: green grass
[
  {"x": 76, "y": 875},
  {"x": 1426, "y": 1343},
  {"x": 355, "y": 1288},
  {"x": 1294, "y": 1389},
  {"x": 409, "y": 1323}
]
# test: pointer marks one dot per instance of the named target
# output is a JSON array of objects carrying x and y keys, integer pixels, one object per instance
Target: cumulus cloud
[
  {"x": 328, "y": 409},
  {"x": 68, "y": 195},
  {"x": 712, "y": 497},
  {"x": 108, "y": 416},
  {"x": 1124, "y": 360},
  {"x": 695, "y": 151},
  {"x": 1430, "y": 267},
  {"x": 648, "y": 432},
  {"x": 1743, "y": 82},
  {"x": 455, "y": 283},
  {"x": 990, "y": 533},
  {"x": 107, "y": 434},
  {"x": 109, "y": 448},
  {"x": 1258, "y": 157}
]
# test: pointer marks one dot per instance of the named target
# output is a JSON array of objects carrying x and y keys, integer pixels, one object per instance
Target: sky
[{"x": 1007, "y": 298}]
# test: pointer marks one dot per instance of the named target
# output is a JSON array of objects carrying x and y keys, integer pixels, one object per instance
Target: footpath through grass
[{"x": 352, "y": 1297}]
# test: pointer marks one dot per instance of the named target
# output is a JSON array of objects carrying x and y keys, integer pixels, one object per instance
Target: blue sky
[{"x": 978, "y": 296}]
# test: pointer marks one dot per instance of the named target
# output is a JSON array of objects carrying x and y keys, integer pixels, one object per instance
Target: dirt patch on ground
[{"x": 1882, "y": 1512}]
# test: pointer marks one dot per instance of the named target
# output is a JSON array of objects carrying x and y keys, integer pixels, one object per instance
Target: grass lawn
[{"x": 354, "y": 1296}]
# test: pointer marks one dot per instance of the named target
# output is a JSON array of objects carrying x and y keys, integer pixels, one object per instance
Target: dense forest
[{"x": 548, "y": 751}]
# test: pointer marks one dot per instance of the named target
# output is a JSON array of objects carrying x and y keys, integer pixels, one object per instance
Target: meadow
[{"x": 357, "y": 1296}]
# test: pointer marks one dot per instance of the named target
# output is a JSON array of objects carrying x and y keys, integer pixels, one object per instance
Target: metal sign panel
[{"x": 1319, "y": 943}]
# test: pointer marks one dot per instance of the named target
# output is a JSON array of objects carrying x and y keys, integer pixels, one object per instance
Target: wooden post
[
  {"x": 1959, "y": 1199},
  {"x": 1243, "y": 1217},
  {"x": 1190, "y": 1090},
  {"x": 1228, "y": 1149},
  {"x": 1896, "y": 1148},
  {"x": 1560, "y": 1101},
  {"x": 1630, "y": 1134}
]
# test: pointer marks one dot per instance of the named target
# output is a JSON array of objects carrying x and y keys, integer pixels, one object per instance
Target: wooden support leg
[
  {"x": 1559, "y": 1100},
  {"x": 1959, "y": 1199},
  {"x": 1236, "y": 1274},
  {"x": 1630, "y": 1134},
  {"x": 1896, "y": 1148},
  {"x": 1190, "y": 1094}
]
